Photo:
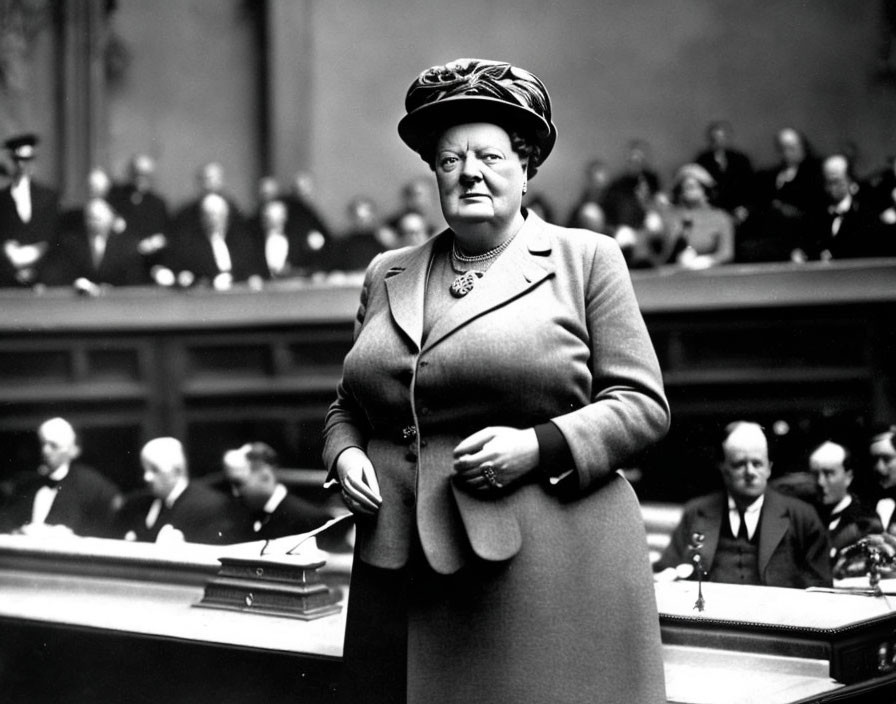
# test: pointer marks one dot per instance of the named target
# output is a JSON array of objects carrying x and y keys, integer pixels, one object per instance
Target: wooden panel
[{"x": 809, "y": 349}]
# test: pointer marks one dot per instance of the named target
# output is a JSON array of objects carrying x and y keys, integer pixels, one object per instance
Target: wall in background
[{"x": 193, "y": 86}]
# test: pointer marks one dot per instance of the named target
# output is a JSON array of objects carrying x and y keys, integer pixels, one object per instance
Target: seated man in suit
[
  {"x": 271, "y": 511},
  {"x": 750, "y": 534},
  {"x": 63, "y": 495},
  {"x": 847, "y": 519},
  {"x": 219, "y": 251},
  {"x": 99, "y": 250},
  {"x": 173, "y": 508},
  {"x": 846, "y": 226},
  {"x": 883, "y": 463}
]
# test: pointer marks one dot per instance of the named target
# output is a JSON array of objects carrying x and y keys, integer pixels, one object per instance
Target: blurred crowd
[
  {"x": 718, "y": 208},
  {"x": 721, "y": 208},
  {"x": 127, "y": 234}
]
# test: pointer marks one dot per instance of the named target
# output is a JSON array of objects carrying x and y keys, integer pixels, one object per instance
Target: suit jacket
[
  {"x": 291, "y": 517},
  {"x": 44, "y": 216},
  {"x": 859, "y": 234},
  {"x": 566, "y": 293},
  {"x": 793, "y": 543},
  {"x": 145, "y": 213},
  {"x": 856, "y": 521},
  {"x": 203, "y": 515},
  {"x": 43, "y": 227},
  {"x": 71, "y": 258},
  {"x": 734, "y": 184},
  {"x": 84, "y": 502},
  {"x": 192, "y": 251}
]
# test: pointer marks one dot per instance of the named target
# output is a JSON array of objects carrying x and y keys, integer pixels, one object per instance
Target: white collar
[
  {"x": 60, "y": 473},
  {"x": 754, "y": 507},
  {"x": 276, "y": 499},
  {"x": 179, "y": 488},
  {"x": 842, "y": 504}
]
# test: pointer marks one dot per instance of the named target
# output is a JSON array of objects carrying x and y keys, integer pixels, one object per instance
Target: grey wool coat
[{"x": 547, "y": 594}]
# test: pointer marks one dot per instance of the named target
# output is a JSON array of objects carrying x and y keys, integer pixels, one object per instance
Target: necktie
[
  {"x": 742, "y": 533},
  {"x": 47, "y": 481}
]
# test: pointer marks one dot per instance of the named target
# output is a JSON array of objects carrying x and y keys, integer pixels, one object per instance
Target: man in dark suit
[
  {"x": 786, "y": 195},
  {"x": 96, "y": 252},
  {"x": 63, "y": 494},
  {"x": 29, "y": 216},
  {"x": 144, "y": 210},
  {"x": 731, "y": 169},
  {"x": 271, "y": 511},
  {"x": 220, "y": 251},
  {"x": 846, "y": 227},
  {"x": 846, "y": 517},
  {"x": 174, "y": 509},
  {"x": 883, "y": 464},
  {"x": 750, "y": 534}
]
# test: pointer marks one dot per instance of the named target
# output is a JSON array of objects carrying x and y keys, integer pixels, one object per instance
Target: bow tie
[{"x": 45, "y": 480}]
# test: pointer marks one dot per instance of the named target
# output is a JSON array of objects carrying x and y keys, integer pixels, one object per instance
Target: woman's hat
[
  {"x": 477, "y": 90},
  {"x": 703, "y": 177}
]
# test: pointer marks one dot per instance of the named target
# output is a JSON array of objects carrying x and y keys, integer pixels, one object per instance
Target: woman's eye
[
  {"x": 491, "y": 157},
  {"x": 447, "y": 161}
]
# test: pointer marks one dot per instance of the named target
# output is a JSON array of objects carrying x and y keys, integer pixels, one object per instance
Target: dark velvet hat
[
  {"x": 21, "y": 147},
  {"x": 477, "y": 90}
]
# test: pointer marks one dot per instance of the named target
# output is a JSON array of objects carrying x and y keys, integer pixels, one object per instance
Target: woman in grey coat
[{"x": 501, "y": 373}]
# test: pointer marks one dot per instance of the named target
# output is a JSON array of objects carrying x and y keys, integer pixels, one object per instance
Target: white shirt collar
[
  {"x": 175, "y": 493},
  {"x": 842, "y": 504},
  {"x": 276, "y": 499},
  {"x": 751, "y": 515},
  {"x": 60, "y": 473}
]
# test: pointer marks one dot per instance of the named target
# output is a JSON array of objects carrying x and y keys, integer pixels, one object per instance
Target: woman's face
[
  {"x": 479, "y": 175},
  {"x": 692, "y": 192}
]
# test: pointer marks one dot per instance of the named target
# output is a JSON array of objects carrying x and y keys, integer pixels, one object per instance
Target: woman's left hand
[{"x": 495, "y": 457}]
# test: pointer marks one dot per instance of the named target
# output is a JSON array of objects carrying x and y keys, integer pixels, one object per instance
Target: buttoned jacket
[
  {"x": 793, "y": 546},
  {"x": 552, "y": 332}
]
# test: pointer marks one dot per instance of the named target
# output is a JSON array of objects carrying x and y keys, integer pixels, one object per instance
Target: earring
[{"x": 525, "y": 188}]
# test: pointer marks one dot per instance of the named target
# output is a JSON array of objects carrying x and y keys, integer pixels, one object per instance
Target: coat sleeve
[
  {"x": 628, "y": 410},
  {"x": 345, "y": 425}
]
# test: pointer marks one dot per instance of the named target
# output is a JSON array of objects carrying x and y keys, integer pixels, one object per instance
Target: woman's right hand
[{"x": 360, "y": 488}]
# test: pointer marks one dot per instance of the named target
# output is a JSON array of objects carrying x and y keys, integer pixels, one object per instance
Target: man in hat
[
  {"x": 63, "y": 493},
  {"x": 29, "y": 216}
]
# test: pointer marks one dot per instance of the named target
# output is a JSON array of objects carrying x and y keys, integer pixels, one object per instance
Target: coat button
[{"x": 409, "y": 433}]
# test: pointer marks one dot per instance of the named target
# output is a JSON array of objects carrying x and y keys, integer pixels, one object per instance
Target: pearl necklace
[{"x": 466, "y": 279}]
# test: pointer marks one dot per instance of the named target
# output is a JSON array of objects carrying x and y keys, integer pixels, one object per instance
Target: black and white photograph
[{"x": 482, "y": 352}]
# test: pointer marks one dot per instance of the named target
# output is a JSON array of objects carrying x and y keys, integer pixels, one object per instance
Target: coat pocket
[{"x": 490, "y": 525}]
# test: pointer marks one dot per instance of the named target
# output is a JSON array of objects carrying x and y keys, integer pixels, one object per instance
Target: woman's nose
[{"x": 471, "y": 169}]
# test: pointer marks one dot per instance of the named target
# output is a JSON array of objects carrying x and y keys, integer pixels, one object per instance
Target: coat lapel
[
  {"x": 406, "y": 287},
  {"x": 513, "y": 273},
  {"x": 773, "y": 526}
]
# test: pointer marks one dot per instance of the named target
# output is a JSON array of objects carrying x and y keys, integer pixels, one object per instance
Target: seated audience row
[
  {"x": 718, "y": 209},
  {"x": 125, "y": 233},
  {"x": 64, "y": 497},
  {"x": 754, "y": 531}
]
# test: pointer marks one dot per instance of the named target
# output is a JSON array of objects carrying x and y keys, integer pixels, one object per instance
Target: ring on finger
[{"x": 488, "y": 472}]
